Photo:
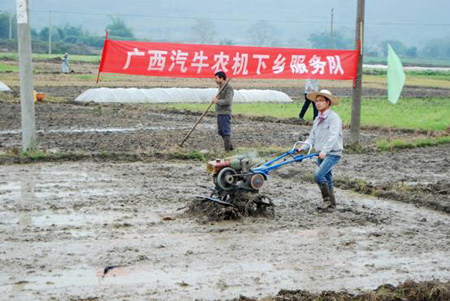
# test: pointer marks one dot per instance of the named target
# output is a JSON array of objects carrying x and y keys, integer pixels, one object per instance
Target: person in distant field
[
  {"x": 312, "y": 85},
  {"x": 65, "y": 63},
  {"x": 224, "y": 102},
  {"x": 326, "y": 138}
]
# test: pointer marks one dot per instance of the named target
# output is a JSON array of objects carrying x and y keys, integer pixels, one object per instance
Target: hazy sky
[{"x": 411, "y": 21}]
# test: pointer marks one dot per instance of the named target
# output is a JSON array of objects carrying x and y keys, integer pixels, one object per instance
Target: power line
[
  {"x": 246, "y": 20},
  {"x": 186, "y": 17},
  {"x": 409, "y": 23}
]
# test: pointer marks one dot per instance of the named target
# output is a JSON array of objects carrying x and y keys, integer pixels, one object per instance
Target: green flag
[{"x": 395, "y": 76}]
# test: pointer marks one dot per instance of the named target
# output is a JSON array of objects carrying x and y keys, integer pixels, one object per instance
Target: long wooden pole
[
  {"x": 103, "y": 56},
  {"x": 204, "y": 113},
  {"x": 357, "y": 90}
]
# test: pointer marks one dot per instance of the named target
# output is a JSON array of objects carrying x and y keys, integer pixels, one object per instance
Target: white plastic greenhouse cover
[
  {"x": 173, "y": 95},
  {"x": 4, "y": 87}
]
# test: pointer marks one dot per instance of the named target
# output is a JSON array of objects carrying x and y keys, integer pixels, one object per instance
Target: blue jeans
[
  {"x": 323, "y": 173},
  {"x": 224, "y": 125}
]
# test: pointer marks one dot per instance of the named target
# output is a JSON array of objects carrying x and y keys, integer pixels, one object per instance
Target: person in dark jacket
[{"x": 224, "y": 105}]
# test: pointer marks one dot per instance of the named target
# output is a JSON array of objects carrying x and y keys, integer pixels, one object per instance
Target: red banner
[{"x": 202, "y": 61}]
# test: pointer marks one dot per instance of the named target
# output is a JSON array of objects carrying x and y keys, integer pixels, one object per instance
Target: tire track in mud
[{"x": 434, "y": 196}]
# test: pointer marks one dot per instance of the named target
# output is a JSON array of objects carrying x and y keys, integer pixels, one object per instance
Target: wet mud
[
  {"x": 245, "y": 205},
  {"x": 410, "y": 290},
  {"x": 210, "y": 211},
  {"x": 70, "y": 221}
]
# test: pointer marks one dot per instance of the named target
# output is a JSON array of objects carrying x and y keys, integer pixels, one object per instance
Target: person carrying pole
[{"x": 224, "y": 106}]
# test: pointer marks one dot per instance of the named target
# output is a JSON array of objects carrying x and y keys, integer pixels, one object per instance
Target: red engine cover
[{"x": 215, "y": 166}]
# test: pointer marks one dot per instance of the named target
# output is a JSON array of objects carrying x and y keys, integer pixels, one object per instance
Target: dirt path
[{"x": 71, "y": 220}]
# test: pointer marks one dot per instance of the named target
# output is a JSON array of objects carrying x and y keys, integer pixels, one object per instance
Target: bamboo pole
[{"x": 204, "y": 113}]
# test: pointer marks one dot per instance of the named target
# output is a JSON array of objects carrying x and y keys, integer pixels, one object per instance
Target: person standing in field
[
  {"x": 311, "y": 85},
  {"x": 326, "y": 138},
  {"x": 224, "y": 106},
  {"x": 65, "y": 63}
]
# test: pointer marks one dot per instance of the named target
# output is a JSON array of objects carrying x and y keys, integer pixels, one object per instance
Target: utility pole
[
  {"x": 357, "y": 89},
  {"x": 10, "y": 25},
  {"x": 26, "y": 79},
  {"x": 331, "y": 29},
  {"x": 49, "y": 32}
]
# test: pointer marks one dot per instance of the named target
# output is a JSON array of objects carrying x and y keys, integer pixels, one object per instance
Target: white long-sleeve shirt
[{"x": 326, "y": 136}]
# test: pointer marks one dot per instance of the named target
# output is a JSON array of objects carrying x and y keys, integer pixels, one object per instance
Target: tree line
[{"x": 68, "y": 38}]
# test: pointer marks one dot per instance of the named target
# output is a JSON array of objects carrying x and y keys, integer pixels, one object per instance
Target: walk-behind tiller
[{"x": 238, "y": 180}]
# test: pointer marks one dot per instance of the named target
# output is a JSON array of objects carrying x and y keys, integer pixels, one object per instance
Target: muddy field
[
  {"x": 113, "y": 192},
  {"x": 63, "y": 223}
]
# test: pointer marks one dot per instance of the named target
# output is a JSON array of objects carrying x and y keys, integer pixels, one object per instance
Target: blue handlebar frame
[{"x": 273, "y": 164}]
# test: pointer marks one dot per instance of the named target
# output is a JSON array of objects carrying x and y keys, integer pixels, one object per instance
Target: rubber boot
[
  {"x": 332, "y": 197},
  {"x": 227, "y": 143},
  {"x": 326, "y": 197}
]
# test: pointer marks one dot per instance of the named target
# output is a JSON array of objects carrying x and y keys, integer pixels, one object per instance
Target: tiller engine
[{"x": 238, "y": 179}]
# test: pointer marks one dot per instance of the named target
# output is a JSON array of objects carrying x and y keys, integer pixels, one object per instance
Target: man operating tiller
[{"x": 326, "y": 138}]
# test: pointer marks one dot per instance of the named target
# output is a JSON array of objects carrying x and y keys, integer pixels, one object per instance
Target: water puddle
[
  {"x": 70, "y": 219},
  {"x": 257, "y": 278},
  {"x": 108, "y": 130}
]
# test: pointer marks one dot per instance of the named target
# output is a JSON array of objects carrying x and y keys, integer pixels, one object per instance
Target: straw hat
[{"x": 325, "y": 93}]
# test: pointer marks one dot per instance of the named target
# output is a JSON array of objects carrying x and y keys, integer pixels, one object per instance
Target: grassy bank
[
  {"x": 404, "y": 143},
  {"x": 13, "y": 56},
  {"x": 377, "y": 78},
  {"x": 412, "y": 113},
  {"x": 8, "y": 68},
  {"x": 409, "y": 61}
]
